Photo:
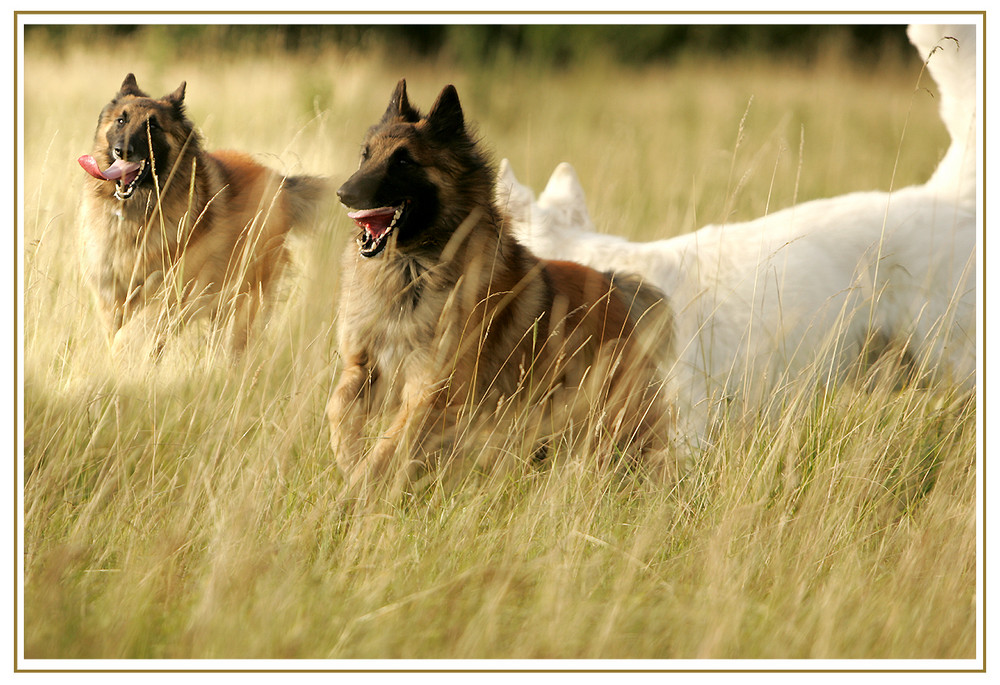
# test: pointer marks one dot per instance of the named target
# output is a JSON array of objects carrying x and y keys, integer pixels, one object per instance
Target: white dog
[{"x": 810, "y": 288}]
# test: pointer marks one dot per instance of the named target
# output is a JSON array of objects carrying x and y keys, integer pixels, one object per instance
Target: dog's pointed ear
[
  {"x": 399, "y": 105},
  {"x": 130, "y": 87},
  {"x": 176, "y": 98},
  {"x": 446, "y": 118}
]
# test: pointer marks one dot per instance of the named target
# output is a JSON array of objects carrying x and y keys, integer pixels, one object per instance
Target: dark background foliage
[{"x": 549, "y": 44}]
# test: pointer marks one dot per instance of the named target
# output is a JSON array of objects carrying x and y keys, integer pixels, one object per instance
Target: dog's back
[
  {"x": 244, "y": 245},
  {"x": 605, "y": 307}
]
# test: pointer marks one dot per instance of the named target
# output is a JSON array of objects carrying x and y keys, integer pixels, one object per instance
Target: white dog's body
[{"x": 810, "y": 288}]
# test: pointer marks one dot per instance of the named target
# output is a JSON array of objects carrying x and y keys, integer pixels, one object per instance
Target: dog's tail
[
  {"x": 306, "y": 196},
  {"x": 950, "y": 51}
]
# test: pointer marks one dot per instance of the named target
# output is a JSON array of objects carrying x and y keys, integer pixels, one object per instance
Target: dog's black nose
[
  {"x": 352, "y": 193},
  {"x": 363, "y": 190},
  {"x": 344, "y": 195},
  {"x": 124, "y": 150}
]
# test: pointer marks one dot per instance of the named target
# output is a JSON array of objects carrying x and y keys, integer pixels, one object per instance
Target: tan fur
[
  {"x": 211, "y": 240},
  {"x": 465, "y": 344}
]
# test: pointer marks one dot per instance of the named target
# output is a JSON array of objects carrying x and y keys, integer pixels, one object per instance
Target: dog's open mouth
[
  {"x": 126, "y": 175},
  {"x": 376, "y": 227}
]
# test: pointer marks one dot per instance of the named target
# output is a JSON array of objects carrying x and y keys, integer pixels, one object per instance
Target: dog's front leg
[
  {"x": 142, "y": 321},
  {"x": 399, "y": 455},
  {"x": 246, "y": 307},
  {"x": 143, "y": 334},
  {"x": 347, "y": 412}
]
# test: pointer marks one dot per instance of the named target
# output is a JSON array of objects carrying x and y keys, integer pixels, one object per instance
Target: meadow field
[{"x": 188, "y": 509}]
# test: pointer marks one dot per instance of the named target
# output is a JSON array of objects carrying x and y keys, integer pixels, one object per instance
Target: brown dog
[
  {"x": 164, "y": 222},
  {"x": 454, "y": 331}
]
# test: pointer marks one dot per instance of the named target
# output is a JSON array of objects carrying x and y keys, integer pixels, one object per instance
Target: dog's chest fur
[
  {"x": 119, "y": 250},
  {"x": 128, "y": 243},
  {"x": 399, "y": 313},
  {"x": 390, "y": 307}
]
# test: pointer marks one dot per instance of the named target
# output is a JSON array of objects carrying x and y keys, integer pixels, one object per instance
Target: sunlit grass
[{"x": 188, "y": 509}]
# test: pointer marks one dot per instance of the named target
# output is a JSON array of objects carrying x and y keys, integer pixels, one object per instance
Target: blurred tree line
[{"x": 548, "y": 44}]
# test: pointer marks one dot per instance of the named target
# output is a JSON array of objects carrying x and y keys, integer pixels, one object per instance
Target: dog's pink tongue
[
  {"x": 375, "y": 221},
  {"x": 89, "y": 165},
  {"x": 113, "y": 172}
]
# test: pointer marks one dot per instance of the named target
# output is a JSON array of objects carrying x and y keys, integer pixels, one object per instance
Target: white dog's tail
[{"x": 950, "y": 51}]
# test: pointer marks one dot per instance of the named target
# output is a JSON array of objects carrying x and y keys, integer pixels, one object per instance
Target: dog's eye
[
  {"x": 121, "y": 120},
  {"x": 153, "y": 123},
  {"x": 402, "y": 157},
  {"x": 365, "y": 152}
]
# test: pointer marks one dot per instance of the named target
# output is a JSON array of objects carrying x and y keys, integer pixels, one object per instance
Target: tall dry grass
[{"x": 188, "y": 509}]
